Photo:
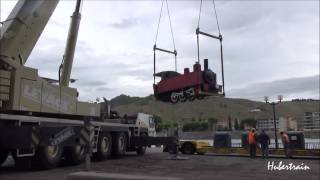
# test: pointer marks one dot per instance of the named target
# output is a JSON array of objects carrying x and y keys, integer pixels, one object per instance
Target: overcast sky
[{"x": 270, "y": 47}]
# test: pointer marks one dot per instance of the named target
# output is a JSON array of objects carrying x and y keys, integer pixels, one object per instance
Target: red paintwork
[{"x": 185, "y": 80}]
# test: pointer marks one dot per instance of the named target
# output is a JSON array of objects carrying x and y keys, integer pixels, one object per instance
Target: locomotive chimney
[
  {"x": 196, "y": 67},
  {"x": 205, "y": 62},
  {"x": 186, "y": 70}
]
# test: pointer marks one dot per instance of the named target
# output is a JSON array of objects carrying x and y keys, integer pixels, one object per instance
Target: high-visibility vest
[{"x": 251, "y": 138}]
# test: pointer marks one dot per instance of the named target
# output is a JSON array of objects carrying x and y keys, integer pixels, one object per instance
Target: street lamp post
[{"x": 274, "y": 116}]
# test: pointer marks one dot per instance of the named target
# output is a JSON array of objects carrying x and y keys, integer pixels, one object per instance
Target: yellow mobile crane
[{"x": 41, "y": 122}]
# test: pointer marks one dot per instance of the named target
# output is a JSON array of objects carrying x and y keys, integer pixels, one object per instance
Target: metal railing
[{"x": 308, "y": 145}]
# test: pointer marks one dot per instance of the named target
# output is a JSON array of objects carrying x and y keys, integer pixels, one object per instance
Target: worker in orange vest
[
  {"x": 286, "y": 144},
  {"x": 252, "y": 140}
]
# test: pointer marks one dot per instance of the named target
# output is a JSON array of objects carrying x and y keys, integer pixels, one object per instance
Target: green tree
[
  {"x": 195, "y": 126},
  {"x": 212, "y": 122},
  {"x": 249, "y": 121},
  {"x": 236, "y": 124},
  {"x": 157, "y": 122},
  {"x": 203, "y": 126},
  {"x": 229, "y": 123}
]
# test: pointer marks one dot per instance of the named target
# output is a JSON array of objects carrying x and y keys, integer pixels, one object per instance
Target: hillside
[{"x": 212, "y": 107}]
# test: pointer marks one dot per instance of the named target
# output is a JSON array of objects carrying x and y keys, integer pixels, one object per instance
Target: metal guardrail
[
  {"x": 236, "y": 145},
  {"x": 312, "y": 145},
  {"x": 309, "y": 145}
]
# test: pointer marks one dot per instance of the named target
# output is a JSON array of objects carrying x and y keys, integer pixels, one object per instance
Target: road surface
[{"x": 156, "y": 163}]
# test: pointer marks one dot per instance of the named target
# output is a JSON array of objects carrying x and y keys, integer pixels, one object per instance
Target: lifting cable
[
  {"x": 174, "y": 52},
  {"x": 212, "y": 36}
]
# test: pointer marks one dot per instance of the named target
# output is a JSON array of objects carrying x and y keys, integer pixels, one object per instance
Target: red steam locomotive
[{"x": 174, "y": 87}]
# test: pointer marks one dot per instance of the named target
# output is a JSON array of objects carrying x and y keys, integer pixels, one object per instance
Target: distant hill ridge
[{"x": 211, "y": 107}]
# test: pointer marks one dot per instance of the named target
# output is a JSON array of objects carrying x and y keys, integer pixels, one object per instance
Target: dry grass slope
[{"x": 212, "y": 107}]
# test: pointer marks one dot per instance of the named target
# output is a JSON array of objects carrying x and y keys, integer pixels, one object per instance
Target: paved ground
[{"x": 155, "y": 163}]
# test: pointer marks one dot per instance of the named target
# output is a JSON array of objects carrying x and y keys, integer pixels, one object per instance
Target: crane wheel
[
  {"x": 48, "y": 157},
  {"x": 119, "y": 144},
  {"x": 188, "y": 148},
  {"x": 74, "y": 155},
  {"x": 104, "y": 147},
  {"x": 141, "y": 150},
  {"x": 3, "y": 156}
]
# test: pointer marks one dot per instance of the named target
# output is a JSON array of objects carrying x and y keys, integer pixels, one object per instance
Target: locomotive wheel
[
  {"x": 183, "y": 98},
  {"x": 174, "y": 98},
  {"x": 119, "y": 144},
  {"x": 191, "y": 98},
  {"x": 49, "y": 156},
  {"x": 74, "y": 155},
  {"x": 190, "y": 94},
  {"x": 104, "y": 146},
  {"x": 200, "y": 97}
]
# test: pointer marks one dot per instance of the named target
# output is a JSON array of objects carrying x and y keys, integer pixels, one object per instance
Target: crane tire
[
  {"x": 104, "y": 147},
  {"x": 141, "y": 150},
  {"x": 48, "y": 157},
  {"x": 74, "y": 155},
  {"x": 119, "y": 144}
]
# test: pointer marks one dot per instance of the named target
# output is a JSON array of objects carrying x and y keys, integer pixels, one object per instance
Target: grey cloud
[
  {"x": 103, "y": 89},
  {"x": 92, "y": 83},
  {"x": 287, "y": 88},
  {"x": 125, "y": 23}
]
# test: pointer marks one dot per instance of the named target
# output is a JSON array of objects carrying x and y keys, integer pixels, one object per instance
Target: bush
[{"x": 195, "y": 126}]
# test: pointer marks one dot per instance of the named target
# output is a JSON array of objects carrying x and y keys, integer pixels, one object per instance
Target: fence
[{"x": 308, "y": 145}]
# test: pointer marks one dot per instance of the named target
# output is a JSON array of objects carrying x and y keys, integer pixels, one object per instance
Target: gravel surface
[{"x": 156, "y": 163}]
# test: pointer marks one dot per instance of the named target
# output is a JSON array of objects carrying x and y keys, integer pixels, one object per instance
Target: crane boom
[
  {"x": 70, "y": 46},
  {"x": 22, "y": 29},
  {"x": 21, "y": 87}
]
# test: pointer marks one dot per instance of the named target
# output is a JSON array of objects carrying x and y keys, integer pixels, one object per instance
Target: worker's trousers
[{"x": 252, "y": 150}]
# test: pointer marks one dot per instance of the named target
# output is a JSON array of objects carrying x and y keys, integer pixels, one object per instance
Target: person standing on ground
[
  {"x": 286, "y": 144},
  {"x": 252, "y": 137},
  {"x": 264, "y": 140}
]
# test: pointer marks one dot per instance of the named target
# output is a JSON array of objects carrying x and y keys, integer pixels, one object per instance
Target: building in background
[
  {"x": 311, "y": 121},
  {"x": 222, "y": 124},
  {"x": 287, "y": 124},
  {"x": 282, "y": 124},
  {"x": 267, "y": 124}
]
